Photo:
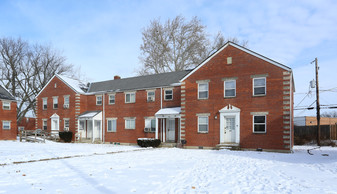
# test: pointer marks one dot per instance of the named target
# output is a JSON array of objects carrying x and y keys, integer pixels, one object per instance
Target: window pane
[
  {"x": 230, "y": 92},
  {"x": 259, "y": 82},
  {"x": 203, "y": 94},
  {"x": 114, "y": 125},
  {"x": 259, "y": 128},
  {"x": 132, "y": 97},
  {"x": 168, "y": 92},
  {"x": 259, "y": 119},
  {"x": 203, "y": 128},
  {"x": 203, "y": 120},
  {"x": 153, "y": 123},
  {"x": 260, "y": 90},
  {"x": 230, "y": 84},
  {"x": 127, "y": 96},
  {"x": 203, "y": 87}
]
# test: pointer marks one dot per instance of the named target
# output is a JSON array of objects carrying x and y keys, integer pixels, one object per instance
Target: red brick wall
[
  {"x": 140, "y": 109},
  {"x": 27, "y": 123},
  {"x": 50, "y": 91},
  {"x": 243, "y": 67},
  {"x": 8, "y": 115}
]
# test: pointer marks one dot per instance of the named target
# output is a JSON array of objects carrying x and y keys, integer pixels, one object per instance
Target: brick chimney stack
[{"x": 117, "y": 77}]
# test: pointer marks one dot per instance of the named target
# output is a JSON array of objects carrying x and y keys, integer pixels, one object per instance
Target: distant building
[
  {"x": 311, "y": 121},
  {"x": 234, "y": 97},
  {"x": 8, "y": 126},
  {"x": 26, "y": 123}
]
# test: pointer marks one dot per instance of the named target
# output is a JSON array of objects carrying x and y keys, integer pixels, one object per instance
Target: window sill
[
  {"x": 98, "y": 104},
  {"x": 227, "y": 97},
  {"x": 202, "y": 98},
  {"x": 129, "y": 129},
  {"x": 259, "y": 132},
  {"x": 201, "y": 132},
  {"x": 111, "y": 103},
  {"x": 260, "y": 95},
  {"x": 112, "y": 131},
  {"x": 168, "y": 100}
]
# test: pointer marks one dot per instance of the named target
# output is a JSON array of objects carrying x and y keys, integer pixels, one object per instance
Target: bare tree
[
  {"x": 177, "y": 45},
  {"x": 26, "y": 69},
  {"x": 331, "y": 114}
]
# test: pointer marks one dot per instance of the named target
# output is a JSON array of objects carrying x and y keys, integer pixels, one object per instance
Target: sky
[{"x": 102, "y": 38}]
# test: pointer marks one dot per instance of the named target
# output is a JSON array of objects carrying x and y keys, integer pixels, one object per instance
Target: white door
[
  {"x": 229, "y": 129},
  {"x": 170, "y": 130},
  {"x": 55, "y": 124},
  {"x": 97, "y": 130}
]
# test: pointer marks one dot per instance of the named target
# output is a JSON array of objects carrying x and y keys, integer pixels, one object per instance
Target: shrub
[
  {"x": 148, "y": 142},
  {"x": 66, "y": 136}
]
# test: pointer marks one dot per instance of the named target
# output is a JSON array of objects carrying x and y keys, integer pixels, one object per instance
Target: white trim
[
  {"x": 8, "y": 92},
  {"x": 238, "y": 47},
  {"x": 224, "y": 85},
  {"x": 165, "y": 94},
  {"x": 99, "y": 95},
  {"x": 10, "y": 127},
  {"x": 203, "y": 115},
  {"x": 129, "y": 118},
  {"x": 107, "y": 123},
  {"x": 114, "y": 95},
  {"x": 3, "y": 104},
  {"x": 265, "y": 123},
  {"x": 130, "y": 93},
  {"x": 147, "y": 95}
]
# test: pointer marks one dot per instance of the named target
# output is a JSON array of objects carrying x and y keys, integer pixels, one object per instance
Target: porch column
[
  {"x": 164, "y": 128},
  {"x": 179, "y": 130},
  {"x": 78, "y": 129},
  {"x": 157, "y": 127},
  {"x": 93, "y": 131}
]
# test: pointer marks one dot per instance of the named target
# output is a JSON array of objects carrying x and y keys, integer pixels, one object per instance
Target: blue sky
[{"x": 103, "y": 37}]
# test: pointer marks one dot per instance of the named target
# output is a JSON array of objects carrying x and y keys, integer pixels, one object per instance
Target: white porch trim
[{"x": 230, "y": 111}]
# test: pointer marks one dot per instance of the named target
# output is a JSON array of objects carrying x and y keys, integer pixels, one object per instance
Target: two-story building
[
  {"x": 8, "y": 113},
  {"x": 235, "y": 97}
]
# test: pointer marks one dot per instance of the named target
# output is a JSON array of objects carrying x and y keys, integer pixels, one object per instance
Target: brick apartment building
[
  {"x": 8, "y": 127},
  {"x": 234, "y": 97}
]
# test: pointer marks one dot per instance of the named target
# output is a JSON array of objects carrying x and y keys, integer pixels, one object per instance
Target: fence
[{"x": 328, "y": 132}]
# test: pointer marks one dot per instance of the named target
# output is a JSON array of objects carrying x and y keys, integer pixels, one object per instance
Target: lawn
[{"x": 94, "y": 168}]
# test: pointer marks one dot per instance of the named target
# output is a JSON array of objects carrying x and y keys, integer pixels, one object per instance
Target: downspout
[
  {"x": 103, "y": 122},
  {"x": 161, "y": 97},
  {"x": 291, "y": 111}
]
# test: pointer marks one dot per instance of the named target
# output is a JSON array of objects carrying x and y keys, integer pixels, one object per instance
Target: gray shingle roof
[
  {"x": 140, "y": 82},
  {"x": 4, "y": 94}
]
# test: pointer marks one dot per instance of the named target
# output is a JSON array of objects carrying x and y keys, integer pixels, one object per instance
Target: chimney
[{"x": 117, "y": 77}]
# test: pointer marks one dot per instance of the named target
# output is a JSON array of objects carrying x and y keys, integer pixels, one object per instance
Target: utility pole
[{"x": 317, "y": 106}]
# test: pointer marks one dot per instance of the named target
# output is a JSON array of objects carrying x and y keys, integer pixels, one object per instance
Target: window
[
  {"x": 203, "y": 91},
  {"x": 130, "y": 97},
  {"x": 44, "y": 124},
  {"x": 130, "y": 123},
  {"x": 168, "y": 94},
  {"x": 6, "y": 125},
  {"x": 150, "y": 125},
  {"x": 6, "y": 105},
  {"x": 44, "y": 103},
  {"x": 230, "y": 88},
  {"x": 112, "y": 125},
  {"x": 259, "y": 124},
  {"x": 98, "y": 100},
  {"x": 21, "y": 128},
  {"x": 111, "y": 98},
  {"x": 66, "y": 102},
  {"x": 259, "y": 86},
  {"x": 66, "y": 124},
  {"x": 203, "y": 124},
  {"x": 150, "y": 96},
  {"x": 55, "y": 102}
]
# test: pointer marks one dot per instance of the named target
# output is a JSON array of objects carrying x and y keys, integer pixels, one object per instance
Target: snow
[
  {"x": 169, "y": 111},
  {"x": 110, "y": 168},
  {"x": 75, "y": 84}
]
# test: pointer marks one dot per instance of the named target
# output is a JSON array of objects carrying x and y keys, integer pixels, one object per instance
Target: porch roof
[
  {"x": 88, "y": 114},
  {"x": 168, "y": 112}
]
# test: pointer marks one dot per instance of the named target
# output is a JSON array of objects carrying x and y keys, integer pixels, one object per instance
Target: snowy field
[{"x": 90, "y": 168}]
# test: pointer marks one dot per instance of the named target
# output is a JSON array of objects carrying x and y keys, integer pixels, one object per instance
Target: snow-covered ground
[{"x": 129, "y": 169}]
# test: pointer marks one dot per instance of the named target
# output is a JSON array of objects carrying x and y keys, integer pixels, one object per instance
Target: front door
[
  {"x": 229, "y": 129},
  {"x": 170, "y": 130},
  {"x": 89, "y": 129},
  {"x": 55, "y": 124}
]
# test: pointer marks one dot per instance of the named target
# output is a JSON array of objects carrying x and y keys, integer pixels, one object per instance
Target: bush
[
  {"x": 148, "y": 142},
  {"x": 66, "y": 136}
]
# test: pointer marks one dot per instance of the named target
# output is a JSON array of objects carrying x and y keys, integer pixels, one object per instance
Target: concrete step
[
  {"x": 229, "y": 146},
  {"x": 168, "y": 145}
]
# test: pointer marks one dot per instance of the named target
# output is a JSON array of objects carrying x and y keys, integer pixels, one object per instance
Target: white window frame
[
  {"x": 204, "y": 116},
  {"x": 113, "y": 127},
  {"x": 21, "y": 128},
  {"x": 265, "y": 123},
  {"x": 110, "y": 98},
  {"x": 6, "y": 104},
  {"x": 153, "y": 96},
  {"x": 55, "y": 102},
  {"x": 9, "y": 125},
  {"x": 265, "y": 86},
  {"x": 44, "y": 102},
  {"x": 148, "y": 121},
  {"x": 43, "y": 124},
  {"x": 203, "y": 91},
  {"x": 131, "y": 94},
  {"x": 129, "y": 119},
  {"x": 224, "y": 83},
  {"x": 165, "y": 95},
  {"x": 97, "y": 101},
  {"x": 64, "y": 100},
  {"x": 64, "y": 122}
]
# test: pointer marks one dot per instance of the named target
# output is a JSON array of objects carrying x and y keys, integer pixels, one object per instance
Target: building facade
[
  {"x": 234, "y": 97},
  {"x": 8, "y": 113}
]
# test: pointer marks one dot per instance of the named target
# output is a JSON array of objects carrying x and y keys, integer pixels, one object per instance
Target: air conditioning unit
[
  {"x": 150, "y": 99},
  {"x": 66, "y": 129},
  {"x": 66, "y": 106},
  {"x": 147, "y": 129}
]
